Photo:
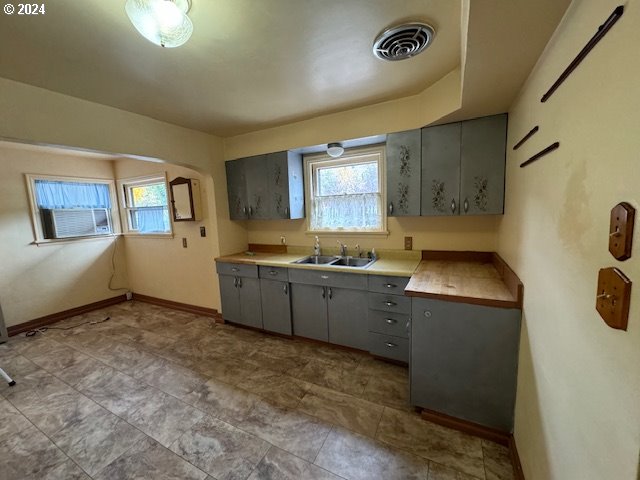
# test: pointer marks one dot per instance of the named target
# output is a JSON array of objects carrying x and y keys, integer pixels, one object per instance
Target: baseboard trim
[
  {"x": 466, "y": 426},
  {"x": 515, "y": 459},
  {"x": 56, "y": 317},
  {"x": 185, "y": 307}
]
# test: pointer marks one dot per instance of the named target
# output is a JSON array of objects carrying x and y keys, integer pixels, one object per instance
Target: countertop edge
[{"x": 487, "y": 302}]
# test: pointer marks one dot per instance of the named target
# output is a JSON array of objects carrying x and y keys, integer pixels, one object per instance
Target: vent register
[{"x": 403, "y": 41}]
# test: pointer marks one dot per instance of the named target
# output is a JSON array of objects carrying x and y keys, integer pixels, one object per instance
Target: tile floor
[{"x": 160, "y": 394}]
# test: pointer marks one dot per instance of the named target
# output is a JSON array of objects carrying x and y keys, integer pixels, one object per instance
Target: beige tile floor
[{"x": 160, "y": 394}]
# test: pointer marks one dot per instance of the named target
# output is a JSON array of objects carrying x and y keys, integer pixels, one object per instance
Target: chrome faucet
[
  {"x": 316, "y": 247},
  {"x": 359, "y": 250},
  {"x": 343, "y": 249}
]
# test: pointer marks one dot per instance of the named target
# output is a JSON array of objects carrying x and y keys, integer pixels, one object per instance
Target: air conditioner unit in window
[{"x": 76, "y": 222}]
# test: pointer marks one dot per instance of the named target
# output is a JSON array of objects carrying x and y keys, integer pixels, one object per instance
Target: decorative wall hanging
[
  {"x": 613, "y": 297},
  {"x": 542, "y": 153},
  {"x": 621, "y": 230}
]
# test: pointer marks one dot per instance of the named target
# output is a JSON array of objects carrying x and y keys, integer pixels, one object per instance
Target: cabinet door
[
  {"x": 278, "y": 180},
  {"x": 403, "y": 173},
  {"x": 296, "y": 186},
  {"x": 230, "y": 298},
  {"x": 309, "y": 311},
  {"x": 464, "y": 360},
  {"x": 250, "y": 302},
  {"x": 257, "y": 187},
  {"x": 483, "y": 165},
  {"x": 236, "y": 189},
  {"x": 347, "y": 312},
  {"x": 441, "y": 170},
  {"x": 276, "y": 307}
]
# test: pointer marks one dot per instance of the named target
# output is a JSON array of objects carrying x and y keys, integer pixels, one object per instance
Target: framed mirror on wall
[{"x": 185, "y": 199}]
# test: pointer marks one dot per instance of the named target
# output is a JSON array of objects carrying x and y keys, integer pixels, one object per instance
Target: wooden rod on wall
[
  {"x": 526, "y": 137},
  {"x": 541, "y": 153},
  {"x": 602, "y": 31}
]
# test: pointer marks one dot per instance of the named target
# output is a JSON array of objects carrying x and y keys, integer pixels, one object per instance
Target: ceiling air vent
[{"x": 403, "y": 41}]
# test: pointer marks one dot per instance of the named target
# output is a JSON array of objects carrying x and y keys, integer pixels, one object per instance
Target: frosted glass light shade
[
  {"x": 163, "y": 22},
  {"x": 335, "y": 149}
]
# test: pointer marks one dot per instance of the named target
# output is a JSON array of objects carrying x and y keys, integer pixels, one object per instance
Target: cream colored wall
[
  {"x": 40, "y": 280},
  {"x": 161, "y": 267},
  {"x": 578, "y": 403}
]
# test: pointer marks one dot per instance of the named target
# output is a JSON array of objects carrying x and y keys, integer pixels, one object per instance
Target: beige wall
[
  {"x": 578, "y": 404},
  {"x": 161, "y": 267},
  {"x": 40, "y": 280}
]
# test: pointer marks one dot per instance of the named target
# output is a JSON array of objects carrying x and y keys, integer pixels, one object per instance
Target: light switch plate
[
  {"x": 621, "y": 231},
  {"x": 613, "y": 297}
]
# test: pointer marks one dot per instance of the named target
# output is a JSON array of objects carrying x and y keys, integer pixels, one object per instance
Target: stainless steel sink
[
  {"x": 352, "y": 262},
  {"x": 318, "y": 259}
]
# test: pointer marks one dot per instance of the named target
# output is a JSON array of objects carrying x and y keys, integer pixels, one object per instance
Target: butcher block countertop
[{"x": 480, "y": 278}]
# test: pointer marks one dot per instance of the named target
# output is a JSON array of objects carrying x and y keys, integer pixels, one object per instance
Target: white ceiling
[
  {"x": 250, "y": 64},
  {"x": 254, "y": 64}
]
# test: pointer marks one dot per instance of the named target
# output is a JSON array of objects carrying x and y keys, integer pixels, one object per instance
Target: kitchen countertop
[
  {"x": 474, "y": 282},
  {"x": 391, "y": 265}
]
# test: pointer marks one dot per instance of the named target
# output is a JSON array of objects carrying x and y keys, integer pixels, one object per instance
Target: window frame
[
  {"x": 350, "y": 157},
  {"x": 125, "y": 210},
  {"x": 36, "y": 220}
]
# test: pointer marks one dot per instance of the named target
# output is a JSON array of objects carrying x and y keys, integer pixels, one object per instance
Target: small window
[
  {"x": 145, "y": 202},
  {"x": 70, "y": 208},
  {"x": 345, "y": 194}
]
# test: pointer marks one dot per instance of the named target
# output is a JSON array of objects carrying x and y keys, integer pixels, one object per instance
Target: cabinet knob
[
  {"x": 453, "y": 205},
  {"x": 389, "y": 303},
  {"x": 273, "y": 273},
  {"x": 427, "y": 313},
  {"x": 235, "y": 282},
  {"x": 324, "y": 277},
  {"x": 250, "y": 211},
  {"x": 390, "y": 345},
  {"x": 466, "y": 205},
  {"x": 390, "y": 285},
  {"x": 324, "y": 292},
  {"x": 285, "y": 288},
  {"x": 390, "y": 208},
  {"x": 390, "y": 321},
  {"x": 239, "y": 282},
  {"x": 235, "y": 269},
  {"x": 330, "y": 293}
]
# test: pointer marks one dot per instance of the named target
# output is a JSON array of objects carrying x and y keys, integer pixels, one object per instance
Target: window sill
[
  {"x": 167, "y": 236},
  {"x": 58, "y": 241},
  {"x": 346, "y": 233}
]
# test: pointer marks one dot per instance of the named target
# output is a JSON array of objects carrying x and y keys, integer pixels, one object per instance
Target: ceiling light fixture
[
  {"x": 163, "y": 22},
  {"x": 335, "y": 149}
]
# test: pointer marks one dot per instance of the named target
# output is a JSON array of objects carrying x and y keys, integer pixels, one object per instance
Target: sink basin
[
  {"x": 352, "y": 262},
  {"x": 318, "y": 259}
]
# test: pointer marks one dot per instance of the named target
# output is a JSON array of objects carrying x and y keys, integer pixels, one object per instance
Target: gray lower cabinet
[
  {"x": 347, "y": 316},
  {"x": 276, "y": 306},
  {"x": 240, "y": 294},
  {"x": 403, "y": 173},
  {"x": 464, "y": 360},
  {"x": 309, "y": 311}
]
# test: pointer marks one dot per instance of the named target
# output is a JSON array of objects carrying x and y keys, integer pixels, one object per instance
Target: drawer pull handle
[
  {"x": 286, "y": 289},
  {"x": 389, "y": 303},
  {"x": 324, "y": 292},
  {"x": 390, "y": 345},
  {"x": 330, "y": 293},
  {"x": 391, "y": 321},
  {"x": 234, "y": 269},
  {"x": 324, "y": 277},
  {"x": 235, "y": 282},
  {"x": 427, "y": 313},
  {"x": 390, "y": 285},
  {"x": 273, "y": 272}
]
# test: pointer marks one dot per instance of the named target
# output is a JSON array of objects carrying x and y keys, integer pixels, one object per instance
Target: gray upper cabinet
[
  {"x": 441, "y": 169},
  {"x": 255, "y": 170},
  {"x": 483, "y": 165},
  {"x": 464, "y": 360},
  {"x": 403, "y": 173},
  {"x": 286, "y": 187},
  {"x": 236, "y": 190},
  {"x": 347, "y": 311},
  {"x": 266, "y": 187}
]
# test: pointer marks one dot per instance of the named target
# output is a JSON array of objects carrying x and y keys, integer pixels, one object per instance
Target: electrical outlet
[
  {"x": 203, "y": 232},
  {"x": 408, "y": 243},
  {"x": 184, "y": 242},
  {"x": 283, "y": 240}
]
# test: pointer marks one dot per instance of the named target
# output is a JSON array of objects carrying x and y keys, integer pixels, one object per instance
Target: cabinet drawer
[
  {"x": 384, "y": 284},
  {"x": 356, "y": 281},
  {"x": 274, "y": 273},
  {"x": 389, "y": 323},
  {"x": 390, "y": 303},
  {"x": 237, "y": 269},
  {"x": 388, "y": 346}
]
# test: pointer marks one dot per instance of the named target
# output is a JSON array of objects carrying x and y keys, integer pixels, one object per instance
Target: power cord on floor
[{"x": 35, "y": 331}]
